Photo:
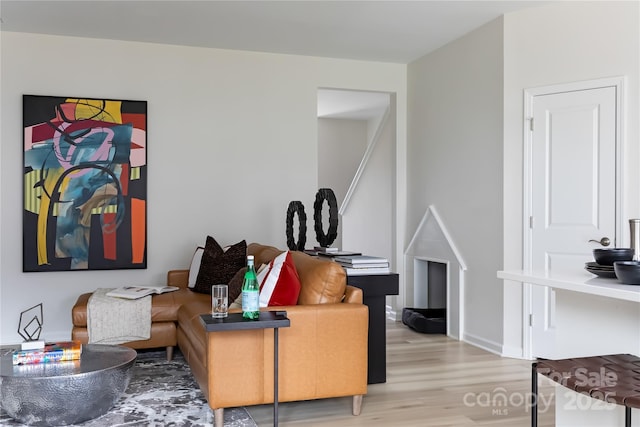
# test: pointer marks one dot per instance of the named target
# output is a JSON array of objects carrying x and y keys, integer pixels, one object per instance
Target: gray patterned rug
[{"x": 160, "y": 393}]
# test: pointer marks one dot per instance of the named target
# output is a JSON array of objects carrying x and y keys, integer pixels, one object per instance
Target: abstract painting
[{"x": 85, "y": 184}]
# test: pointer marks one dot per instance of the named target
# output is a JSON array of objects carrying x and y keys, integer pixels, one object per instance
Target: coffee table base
[{"x": 66, "y": 393}]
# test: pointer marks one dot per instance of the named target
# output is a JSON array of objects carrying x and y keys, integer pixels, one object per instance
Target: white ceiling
[{"x": 387, "y": 31}]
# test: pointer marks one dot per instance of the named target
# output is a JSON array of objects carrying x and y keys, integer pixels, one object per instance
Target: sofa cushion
[
  {"x": 190, "y": 325},
  {"x": 321, "y": 281},
  {"x": 164, "y": 307},
  {"x": 279, "y": 282},
  {"x": 163, "y": 334},
  {"x": 263, "y": 254},
  {"x": 219, "y": 266}
]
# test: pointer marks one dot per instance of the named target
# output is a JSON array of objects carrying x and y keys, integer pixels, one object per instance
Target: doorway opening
[{"x": 357, "y": 160}]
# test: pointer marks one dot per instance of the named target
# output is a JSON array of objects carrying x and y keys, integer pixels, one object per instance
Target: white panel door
[{"x": 573, "y": 191}]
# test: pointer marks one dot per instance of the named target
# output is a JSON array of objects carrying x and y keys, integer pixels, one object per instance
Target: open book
[{"x": 135, "y": 292}]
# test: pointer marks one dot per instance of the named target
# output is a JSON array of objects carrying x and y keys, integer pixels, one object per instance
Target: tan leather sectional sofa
[{"x": 323, "y": 353}]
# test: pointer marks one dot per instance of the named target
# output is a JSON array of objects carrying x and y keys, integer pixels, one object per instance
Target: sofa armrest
[
  {"x": 178, "y": 278},
  {"x": 322, "y": 354},
  {"x": 352, "y": 295}
]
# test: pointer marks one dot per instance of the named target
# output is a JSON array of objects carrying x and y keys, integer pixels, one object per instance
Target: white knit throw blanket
[{"x": 117, "y": 320}]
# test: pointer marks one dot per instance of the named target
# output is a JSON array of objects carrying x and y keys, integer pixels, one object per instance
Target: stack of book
[
  {"x": 328, "y": 252},
  {"x": 56, "y": 352},
  {"x": 356, "y": 265},
  {"x": 325, "y": 249}
]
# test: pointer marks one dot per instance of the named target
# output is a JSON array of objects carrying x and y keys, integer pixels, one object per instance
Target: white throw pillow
[{"x": 195, "y": 266}]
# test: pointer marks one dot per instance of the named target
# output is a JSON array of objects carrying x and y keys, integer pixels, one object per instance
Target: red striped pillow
[{"x": 279, "y": 282}]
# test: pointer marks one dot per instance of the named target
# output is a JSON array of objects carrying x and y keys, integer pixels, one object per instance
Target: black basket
[{"x": 426, "y": 320}]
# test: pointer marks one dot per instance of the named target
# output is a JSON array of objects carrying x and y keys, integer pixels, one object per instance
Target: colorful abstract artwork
[{"x": 85, "y": 184}]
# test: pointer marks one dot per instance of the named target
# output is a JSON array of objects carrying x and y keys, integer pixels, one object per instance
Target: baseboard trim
[
  {"x": 392, "y": 314},
  {"x": 490, "y": 346},
  {"x": 512, "y": 352}
]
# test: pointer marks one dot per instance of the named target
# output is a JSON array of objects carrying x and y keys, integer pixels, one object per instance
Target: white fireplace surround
[{"x": 432, "y": 242}]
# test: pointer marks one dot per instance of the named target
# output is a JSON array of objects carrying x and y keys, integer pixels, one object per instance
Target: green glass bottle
[{"x": 250, "y": 292}]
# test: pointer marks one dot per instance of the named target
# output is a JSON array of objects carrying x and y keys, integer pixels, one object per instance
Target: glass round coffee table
[{"x": 64, "y": 393}]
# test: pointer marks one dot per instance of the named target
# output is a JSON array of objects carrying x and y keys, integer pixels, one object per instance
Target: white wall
[
  {"x": 455, "y": 163},
  {"x": 232, "y": 138},
  {"x": 341, "y": 145},
  {"x": 567, "y": 42},
  {"x": 368, "y": 217}
]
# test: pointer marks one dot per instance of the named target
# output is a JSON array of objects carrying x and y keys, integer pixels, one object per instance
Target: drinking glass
[{"x": 219, "y": 301}]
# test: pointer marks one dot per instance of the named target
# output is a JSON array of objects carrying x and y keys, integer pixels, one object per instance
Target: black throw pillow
[{"x": 219, "y": 266}]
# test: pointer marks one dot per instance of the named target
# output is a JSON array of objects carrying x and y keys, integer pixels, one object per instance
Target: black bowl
[
  {"x": 628, "y": 272},
  {"x": 605, "y": 271},
  {"x": 610, "y": 255}
]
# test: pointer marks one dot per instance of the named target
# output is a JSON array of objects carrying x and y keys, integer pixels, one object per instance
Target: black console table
[
  {"x": 267, "y": 320},
  {"x": 375, "y": 287}
]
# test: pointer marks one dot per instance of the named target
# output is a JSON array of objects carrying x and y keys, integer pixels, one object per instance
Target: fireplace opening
[
  {"x": 436, "y": 284},
  {"x": 430, "y": 289}
]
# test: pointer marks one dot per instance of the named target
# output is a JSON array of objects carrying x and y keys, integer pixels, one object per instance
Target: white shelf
[{"x": 583, "y": 282}]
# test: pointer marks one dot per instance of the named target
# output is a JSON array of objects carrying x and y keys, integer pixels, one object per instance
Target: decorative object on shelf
[
  {"x": 296, "y": 207},
  {"x": 634, "y": 226},
  {"x": 607, "y": 256},
  {"x": 627, "y": 272},
  {"x": 30, "y": 326},
  {"x": 327, "y": 239},
  {"x": 606, "y": 271},
  {"x": 85, "y": 184}
]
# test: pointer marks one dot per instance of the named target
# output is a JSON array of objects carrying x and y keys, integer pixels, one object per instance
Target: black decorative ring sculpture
[
  {"x": 325, "y": 240},
  {"x": 296, "y": 207}
]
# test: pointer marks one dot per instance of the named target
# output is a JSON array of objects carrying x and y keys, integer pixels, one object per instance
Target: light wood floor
[{"x": 431, "y": 381}]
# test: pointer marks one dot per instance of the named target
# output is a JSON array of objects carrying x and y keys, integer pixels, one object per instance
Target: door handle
[{"x": 604, "y": 241}]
